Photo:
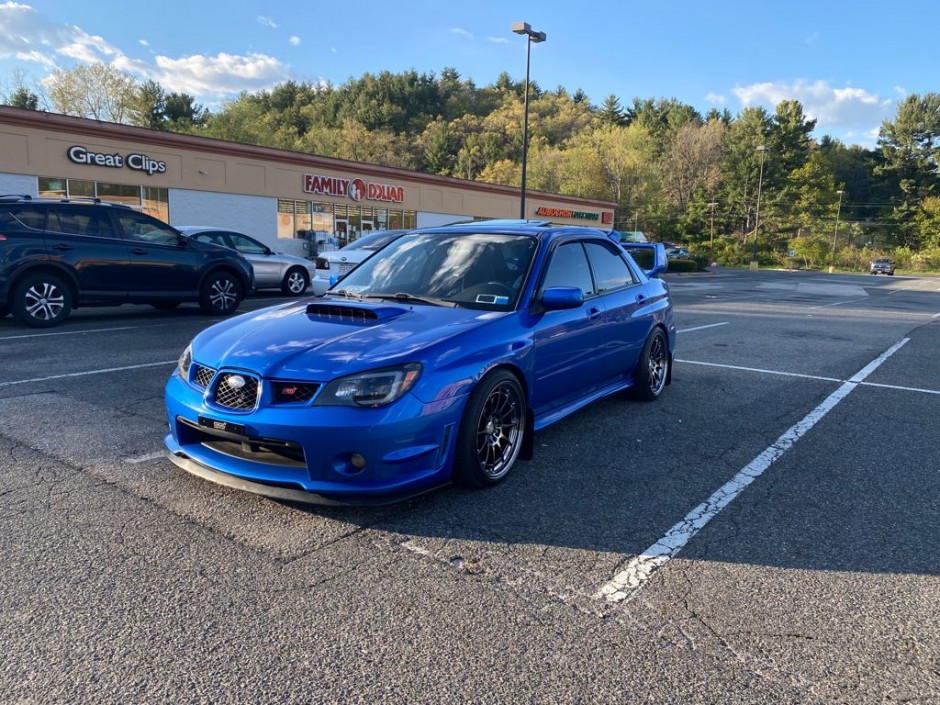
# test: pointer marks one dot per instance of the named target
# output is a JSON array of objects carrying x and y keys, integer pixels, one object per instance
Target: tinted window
[
  {"x": 610, "y": 269},
  {"x": 246, "y": 245},
  {"x": 87, "y": 221},
  {"x": 212, "y": 238},
  {"x": 21, "y": 219},
  {"x": 569, "y": 267},
  {"x": 141, "y": 228}
]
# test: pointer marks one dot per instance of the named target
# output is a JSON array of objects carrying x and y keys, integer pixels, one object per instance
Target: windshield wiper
[
  {"x": 344, "y": 292},
  {"x": 411, "y": 298}
]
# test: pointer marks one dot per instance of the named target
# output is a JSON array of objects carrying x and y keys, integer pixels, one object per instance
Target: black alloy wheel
[
  {"x": 221, "y": 294},
  {"x": 42, "y": 300},
  {"x": 491, "y": 431},
  {"x": 652, "y": 369},
  {"x": 295, "y": 282}
]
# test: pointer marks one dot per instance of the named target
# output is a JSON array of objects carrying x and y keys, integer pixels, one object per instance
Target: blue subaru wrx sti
[{"x": 435, "y": 360}]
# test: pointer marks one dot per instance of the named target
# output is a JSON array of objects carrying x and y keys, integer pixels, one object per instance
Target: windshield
[
  {"x": 484, "y": 271},
  {"x": 373, "y": 241}
]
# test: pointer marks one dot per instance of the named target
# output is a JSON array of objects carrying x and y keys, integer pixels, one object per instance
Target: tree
[
  {"x": 97, "y": 91},
  {"x": 23, "y": 98},
  {"x": 692, "y": 162},
  {"x": 789, "y": 140},
  {"x": 910, "y": 146},
  {"x": 611, "y": 113},
  {"x": 149, "y": 109}
]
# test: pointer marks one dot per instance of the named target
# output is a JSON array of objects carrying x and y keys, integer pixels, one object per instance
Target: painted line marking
[
  {"x": 906, "y": 288},
  {"x": 838, "y": 303},
  {"x": 936, "y": 315},
  {"x": 68, "y": 332},
  {"x": 89, "y": 372},
  {"x": 145, "y": 458},
  {"x": 637, "y": 572},
  {"x": 758, "y": 369},
  {"x": 710, "y": 325},
  {"x": 899, "y": 388}
]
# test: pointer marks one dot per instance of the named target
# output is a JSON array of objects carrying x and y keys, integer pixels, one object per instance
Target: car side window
[
  {"x": 143, "y": 229},
  {"x": 246, "y": 245},
  {"x": 213, "y": 238},
  {"x": 87, "y": 221},
  {"x": 21, "y": 219},
  {"x": 610, "y": 270},
  {"x": 569, "y": 267}
]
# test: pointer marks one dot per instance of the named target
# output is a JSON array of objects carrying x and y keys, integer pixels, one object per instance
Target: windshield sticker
[{"x": 492, "y": 299}]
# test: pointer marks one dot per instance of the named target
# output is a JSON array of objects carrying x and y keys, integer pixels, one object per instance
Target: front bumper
[{"x": 307, "y": 453}]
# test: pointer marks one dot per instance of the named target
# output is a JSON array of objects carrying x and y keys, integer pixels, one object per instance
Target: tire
[
  {"x": 295, "y": 282},
  {"x": 4, "y": 310},
  {"x": 165, "y": 305},
  {"x": 491, "y": 432},
  {"x": 221, "y": 294},
  {"x": 652, "y": 369},
  {"x": 41, "y": 301}
]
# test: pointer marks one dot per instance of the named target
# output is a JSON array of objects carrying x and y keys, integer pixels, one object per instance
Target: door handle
[
  {"x": 594, "y": 314},
  {"x": 640, "y": 299},
  {"x": 62, "y": 247},
  {"x": 138, "y": 251}
]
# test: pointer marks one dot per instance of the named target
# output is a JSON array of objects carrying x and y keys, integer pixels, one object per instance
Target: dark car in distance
[{"x": 60, "y": 254}]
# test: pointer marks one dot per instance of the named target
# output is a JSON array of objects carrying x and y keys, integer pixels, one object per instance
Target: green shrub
[{"x": 683, "y": 265}]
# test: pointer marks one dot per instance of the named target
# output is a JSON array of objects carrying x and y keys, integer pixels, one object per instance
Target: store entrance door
[{"x": 342, "y": 233}]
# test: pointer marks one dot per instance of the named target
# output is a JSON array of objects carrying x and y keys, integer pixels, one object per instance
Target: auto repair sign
[{"x": 355, "y": 189}]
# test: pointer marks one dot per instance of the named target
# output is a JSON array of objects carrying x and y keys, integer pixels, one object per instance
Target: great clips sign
[
  {"x": 356, "y": 189},
  {"x": 134, "y": 161}
]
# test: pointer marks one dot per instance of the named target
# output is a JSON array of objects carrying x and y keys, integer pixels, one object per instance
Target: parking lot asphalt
[{"x": 765, "y": 532}]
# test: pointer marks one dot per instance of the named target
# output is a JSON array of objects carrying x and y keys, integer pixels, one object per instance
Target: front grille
[
  {"x": 294, "y": 392},
  {"x": 342, "y": 314},
  {"x": 236, "y": 391},
  {"x": 203, "y": 375}
]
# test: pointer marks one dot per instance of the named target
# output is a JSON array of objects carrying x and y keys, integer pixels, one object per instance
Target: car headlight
[
  {"x": 374, "y": 388},
  {"x": 186, "y": 359}
]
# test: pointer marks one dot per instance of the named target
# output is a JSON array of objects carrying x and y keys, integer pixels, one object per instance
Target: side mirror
[{"x": 558, "y": 298}]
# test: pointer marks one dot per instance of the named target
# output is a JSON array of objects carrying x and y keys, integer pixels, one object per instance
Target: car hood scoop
[{"x": 352, "y": 314}]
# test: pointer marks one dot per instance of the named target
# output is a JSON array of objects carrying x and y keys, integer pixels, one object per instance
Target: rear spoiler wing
[{"x": 651, "y": 256}]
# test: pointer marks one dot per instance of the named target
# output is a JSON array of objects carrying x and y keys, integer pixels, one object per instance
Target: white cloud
[
  {"x": 840, "y": 108},
  {"x": 267, "y": 22},
  {"x": 143, "y": 42},
  {"x": 498, "y": 40},
  {"x": 221, "y": 74},
  {"x": 461, "y": 32},
  {"x": 294, "y": 41},
  {"x": 716, "y": 98},
  {"x": 28, "y": 35}
]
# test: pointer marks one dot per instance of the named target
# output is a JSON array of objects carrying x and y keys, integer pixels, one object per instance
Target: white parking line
[
  {"x": 839, "y": 303},
  {"x": 69, "y": 332},
  {"x": 626, "y": 583},
  {"x": 145, "y": 458},
  {"x": 710, "y": 325},
  {"x": 88, "y": 372},
  {"x": 936, "y": 315},
  {"x": 758, "y": 369}
]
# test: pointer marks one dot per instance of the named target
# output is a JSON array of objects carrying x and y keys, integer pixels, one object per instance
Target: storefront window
[
  {"x": 394, "y": 220},
  {"x": 409, "y": 220},
  {"x": 150, "y": 200}
]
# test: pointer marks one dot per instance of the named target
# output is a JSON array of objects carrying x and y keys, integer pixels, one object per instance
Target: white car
[
  {"x": 332, "y": 265},
  {"x": 273, "y": 270}
]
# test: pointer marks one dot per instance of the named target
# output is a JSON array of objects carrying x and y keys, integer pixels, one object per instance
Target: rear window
[{"x": 21, "y": 219}]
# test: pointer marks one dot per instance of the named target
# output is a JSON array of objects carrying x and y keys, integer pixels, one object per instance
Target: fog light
[{"x": 357, "y": 461}]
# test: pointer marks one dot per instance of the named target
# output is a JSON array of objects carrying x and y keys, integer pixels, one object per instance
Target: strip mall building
[{"x": 274, "y": 195}]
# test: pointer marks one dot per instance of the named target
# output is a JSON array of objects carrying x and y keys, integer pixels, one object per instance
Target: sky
[{"x": 848, "y": 63}]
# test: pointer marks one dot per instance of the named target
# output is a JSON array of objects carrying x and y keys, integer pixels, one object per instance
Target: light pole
[
  {"x": 711, "y": 240},
  {"x": 531, "y": 36},
  {"x": 760, "y": 182},
  {"x": 835, "y": 235}
]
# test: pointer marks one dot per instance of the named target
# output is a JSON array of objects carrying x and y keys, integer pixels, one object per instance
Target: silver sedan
[{"x": 273, "y": 270}]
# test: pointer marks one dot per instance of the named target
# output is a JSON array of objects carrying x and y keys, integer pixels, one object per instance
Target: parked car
[
  {"x": 881, "y": 266},
  {"x": 273, "y": 270},
  {"x": 433, "y": 361},
  {"x": 332, "y": 265},
  {"x": 677, "y": 253},
  {"x": 56, "y": 255}
]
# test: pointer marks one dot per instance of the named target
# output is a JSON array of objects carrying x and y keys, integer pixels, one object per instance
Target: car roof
[
  {"x": 19, "y": 199},
  {"x": 540, "y": 229}
]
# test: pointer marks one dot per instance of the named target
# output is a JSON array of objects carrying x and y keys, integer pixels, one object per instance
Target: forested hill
[{"x": 674, "y": 172}]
